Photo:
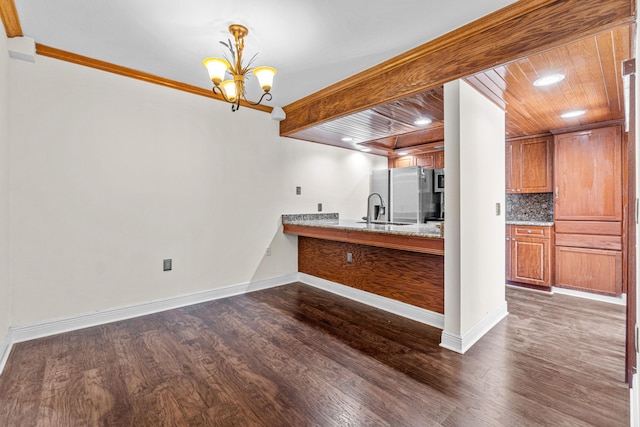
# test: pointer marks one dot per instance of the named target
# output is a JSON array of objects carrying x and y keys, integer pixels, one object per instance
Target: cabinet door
[
  {"x": 588, "y": 175},
  {"x": 402, "y": 162},
  {"x": 508, "y": 254},
  {"x": 510, "y": 169},
  {"x": 530, "y": 261},
  {"x": 535, "y": 165},
  {"x": 426, "y": 160},
  {"x": 439, "y": 159},
  {"x": 591, "y": 270}
]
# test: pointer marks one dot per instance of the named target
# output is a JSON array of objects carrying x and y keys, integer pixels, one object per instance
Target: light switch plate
[{"x": 166, "y": 264}]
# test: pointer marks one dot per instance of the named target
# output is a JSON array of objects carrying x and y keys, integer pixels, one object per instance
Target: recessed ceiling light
[
  {"x": 571, "y": 114},
  {"x": 365, "y": 150},
  {"x": 549, "y": 80},
  {"x": 423, "y": 121},
  {"x": 347, "y": 139},
  {"x": 402, "y": 153}
]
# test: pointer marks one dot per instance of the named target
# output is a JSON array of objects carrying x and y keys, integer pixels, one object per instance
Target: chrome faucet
[{"x": 369, "y": 207}]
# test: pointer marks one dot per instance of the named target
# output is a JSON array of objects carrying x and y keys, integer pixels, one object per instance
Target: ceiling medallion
[{"x": 233, "y": 90}]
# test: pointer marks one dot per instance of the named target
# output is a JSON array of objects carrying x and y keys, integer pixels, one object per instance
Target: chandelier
[{"x": 233, "y": 90}]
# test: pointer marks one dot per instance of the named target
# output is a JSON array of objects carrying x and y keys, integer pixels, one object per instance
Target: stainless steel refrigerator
[{"x": 407, "y": 194}]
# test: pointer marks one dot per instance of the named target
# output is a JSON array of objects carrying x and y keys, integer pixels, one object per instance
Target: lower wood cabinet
[
  {"x": 589, "y": 256},
  {"x": 529, "y": 255},
  {"x": 591, "y": 270}
]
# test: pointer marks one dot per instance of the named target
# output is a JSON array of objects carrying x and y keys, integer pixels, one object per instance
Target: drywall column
[
  {"x": 5, "y": 289},
  {"x": 474, "y": 229}
]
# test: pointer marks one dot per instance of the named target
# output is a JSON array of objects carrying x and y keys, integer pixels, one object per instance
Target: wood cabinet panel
[
  {"x": 529, "y": 165},
  {"x": 508, "y": 253},
  {"x": 530, "y": 231},
  {"x": 591, "y": 270},
  {"x": 439, "y": 159},
  {"x": 530, "y": 261},
  {"x": 427, "y": 160},
  {"x": 588, "y": 175},
  {"x": 589, "y": 241},
  {"x": 413, "y": 278},
  {"x": 403, "y": 162},
  {"x": 510, "y": 182},
  {"x": 529, "y": 255},
  {"x": 536, "y": 165},
  {"x": 608, "y": 228}
]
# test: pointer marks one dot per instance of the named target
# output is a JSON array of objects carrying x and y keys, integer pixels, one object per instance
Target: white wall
[
  {"x": 5, "y": 289},
  {"x": 474, "y": 233},
  {"x": 110, "y": 175}
]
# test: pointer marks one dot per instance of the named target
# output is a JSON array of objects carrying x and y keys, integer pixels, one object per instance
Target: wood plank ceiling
[{"x": 593, "y": 82}]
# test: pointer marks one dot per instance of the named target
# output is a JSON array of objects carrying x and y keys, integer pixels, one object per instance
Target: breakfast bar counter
[
  {"x": 401, "y": 262},
  {"x": 424, "y": 238}
]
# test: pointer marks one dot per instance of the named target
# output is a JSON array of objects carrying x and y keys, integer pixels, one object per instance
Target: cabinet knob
[{"x": 529, "y": 231}]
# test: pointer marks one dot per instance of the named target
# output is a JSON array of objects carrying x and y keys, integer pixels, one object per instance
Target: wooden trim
[
  {"x": 519, "y": 138},
  {"x": 429, "y": 147},
  {"x": 74, "y": 58},
  {"x": 519, "y": 30},
  {"x": 10, "y": 19},
  {"x": 629, "y": 225},
  {"x": 589, "y": 126},
  {"x": 425, "y": 245}
]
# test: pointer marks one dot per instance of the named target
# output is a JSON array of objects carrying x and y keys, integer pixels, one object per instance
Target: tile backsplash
[{"x": 529, "y": 207}]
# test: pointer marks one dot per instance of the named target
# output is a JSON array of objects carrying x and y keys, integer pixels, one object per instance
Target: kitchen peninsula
[{"x": 401, "y": 262}]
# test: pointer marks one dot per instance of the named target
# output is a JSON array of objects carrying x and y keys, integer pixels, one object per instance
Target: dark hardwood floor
[{"x": 298, "y": 356}]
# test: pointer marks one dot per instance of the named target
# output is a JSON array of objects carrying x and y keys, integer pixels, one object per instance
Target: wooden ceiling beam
[
  {"x": 516, "y": 31},
  {"x": 9, "y": 16}
]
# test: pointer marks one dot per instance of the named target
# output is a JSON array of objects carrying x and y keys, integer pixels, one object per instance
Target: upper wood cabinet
[
  {"x": 588, "y": 175},
  {"x": 431, "y": 160},
  {"x": 427, "y": 160},
  {"x": 403, "y": 162},
  {"x": 439, "y": 159},
  {"x": 529, "y": 165}
]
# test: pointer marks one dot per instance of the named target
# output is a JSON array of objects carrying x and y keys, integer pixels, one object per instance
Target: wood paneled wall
[{"x": 409, "y": 277}]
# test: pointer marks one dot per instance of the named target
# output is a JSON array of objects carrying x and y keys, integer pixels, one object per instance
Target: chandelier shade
[{"x": 233, "y": 90}]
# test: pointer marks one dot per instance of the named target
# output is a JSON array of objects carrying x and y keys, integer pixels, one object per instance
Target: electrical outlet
[
  {"x": 349, "y": 258},
  {"x": 166, "y": 264},
  {"x": 268, "y": 251}
]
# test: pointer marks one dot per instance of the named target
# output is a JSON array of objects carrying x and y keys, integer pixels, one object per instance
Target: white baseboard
[
  {"x": 460, "y": 344},
  {"x": 5, "y": 349},
  {"x": 58, "y": 326},
  {"x": 396, "y": 307},
  {"x": 621, "y": 300}
]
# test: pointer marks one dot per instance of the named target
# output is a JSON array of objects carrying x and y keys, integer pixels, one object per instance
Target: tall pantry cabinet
[{"x": 588, "y": 210}]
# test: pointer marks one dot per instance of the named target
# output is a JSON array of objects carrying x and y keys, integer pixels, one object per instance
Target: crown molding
[{"x": 74, "y": 58}]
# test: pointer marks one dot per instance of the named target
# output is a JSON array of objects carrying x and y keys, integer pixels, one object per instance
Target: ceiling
[
  {"x": 315, "y": 45},
  {"x": 312, "y": 44}
]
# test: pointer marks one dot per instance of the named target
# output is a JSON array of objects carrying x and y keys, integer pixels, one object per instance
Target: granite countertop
[
  {"x": 332, "y": 221},
  {"x": 529, "y": 222}
]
